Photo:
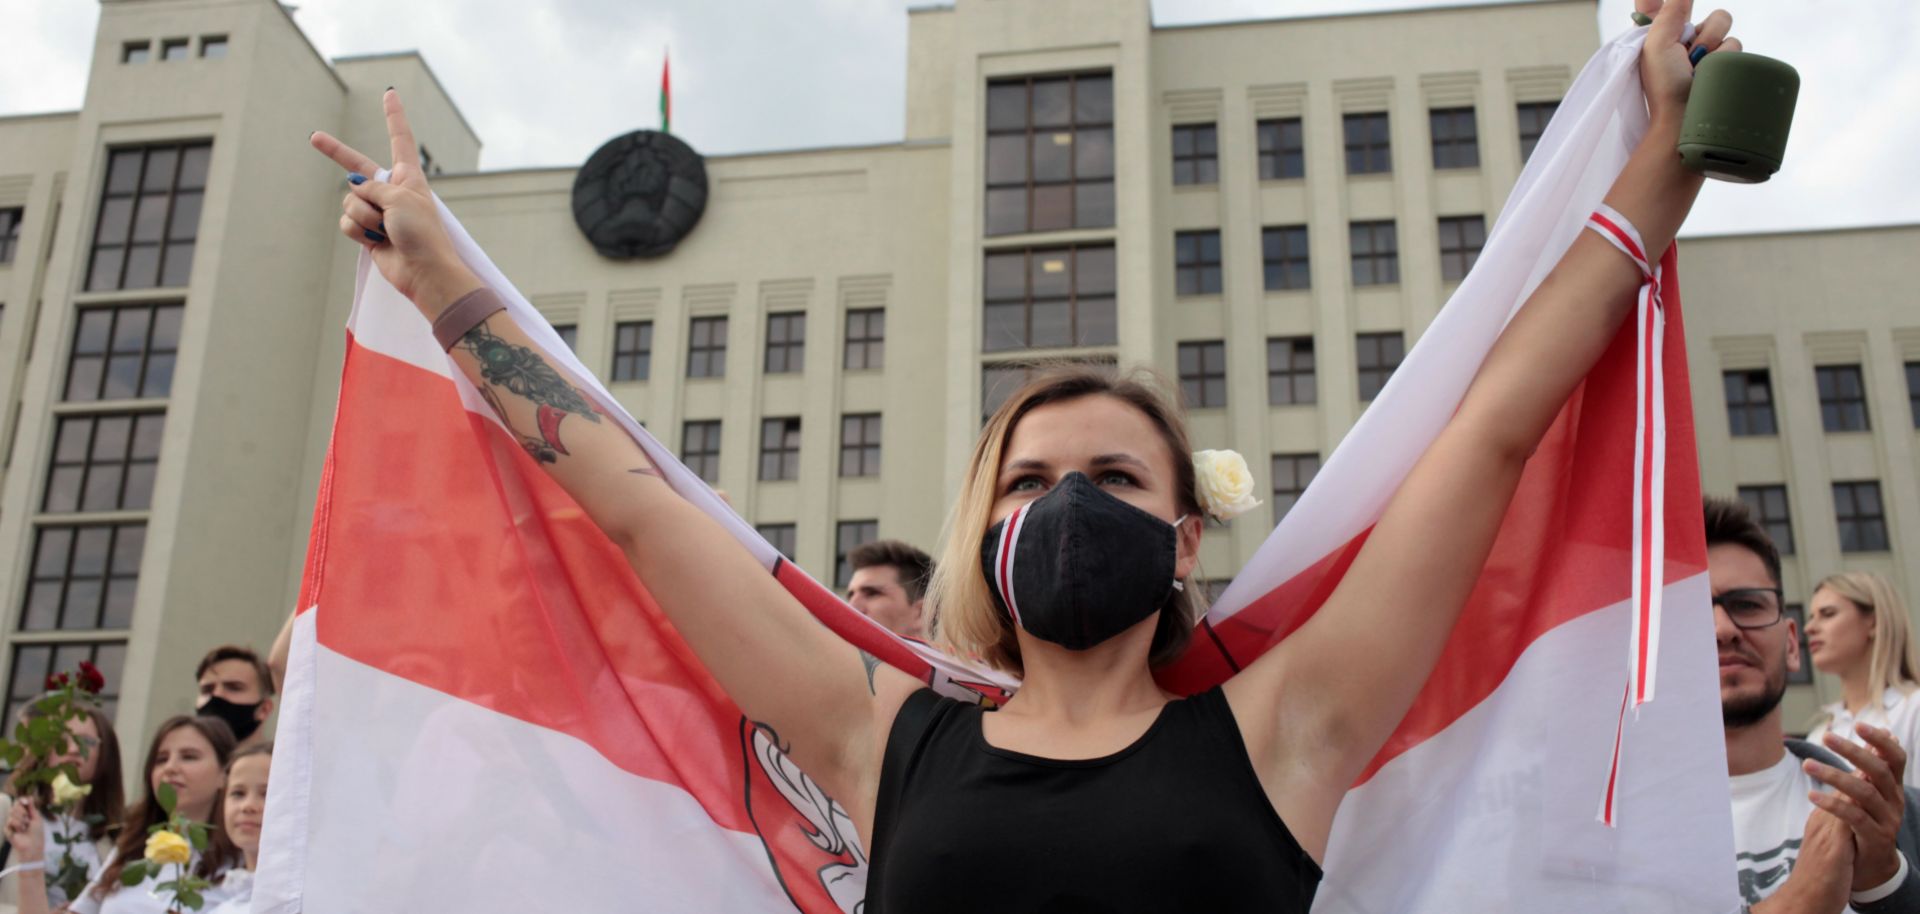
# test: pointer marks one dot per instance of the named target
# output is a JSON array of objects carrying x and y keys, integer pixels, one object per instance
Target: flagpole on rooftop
[{"x": 666, "y": 95}]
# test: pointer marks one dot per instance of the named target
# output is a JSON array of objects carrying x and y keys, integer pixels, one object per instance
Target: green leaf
[
  {"x": 191, "y": 899},
  {"x": 167, "y": 797},
  {"x": 134, "y": 874},
  {"x": 197, "y": 834}
]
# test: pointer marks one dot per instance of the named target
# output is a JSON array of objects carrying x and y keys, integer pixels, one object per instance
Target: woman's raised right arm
[{"x": 828, "y": 705}]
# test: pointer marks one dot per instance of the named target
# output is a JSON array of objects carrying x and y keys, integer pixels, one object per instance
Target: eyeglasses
[{"x": 1751, "y": 607}]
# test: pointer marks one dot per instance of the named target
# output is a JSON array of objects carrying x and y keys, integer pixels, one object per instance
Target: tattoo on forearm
[
  {"x": 524, "y": 371},
  {"x": 872, "y": 663}
]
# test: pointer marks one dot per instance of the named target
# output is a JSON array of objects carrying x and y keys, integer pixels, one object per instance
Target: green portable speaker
[{"x": 1738, "y": 115}]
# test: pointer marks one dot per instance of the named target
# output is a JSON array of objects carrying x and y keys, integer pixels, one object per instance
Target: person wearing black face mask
[{"x": 237, "y": 688}]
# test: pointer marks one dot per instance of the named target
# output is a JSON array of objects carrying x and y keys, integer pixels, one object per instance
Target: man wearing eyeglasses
[{"x": 1815, "y": 829}]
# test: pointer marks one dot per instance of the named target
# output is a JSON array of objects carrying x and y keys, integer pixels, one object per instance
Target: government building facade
[{"x": 1268, "y": 213}]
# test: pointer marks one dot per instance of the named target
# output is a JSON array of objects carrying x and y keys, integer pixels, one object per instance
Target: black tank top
[{"x": 1177, "y": 821}]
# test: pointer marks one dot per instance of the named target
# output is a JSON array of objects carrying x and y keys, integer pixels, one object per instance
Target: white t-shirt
[
  {"x": 140, "y": 899},
  {"x": 239, "y": 888},
  {"x": 1770, "y": 809},
  {"x": 1898, "y": 713},
  {"x": 85, "y": 852}
]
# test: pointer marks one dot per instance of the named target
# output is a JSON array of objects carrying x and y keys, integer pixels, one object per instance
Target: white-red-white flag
[{"x": 486, "y": 713}]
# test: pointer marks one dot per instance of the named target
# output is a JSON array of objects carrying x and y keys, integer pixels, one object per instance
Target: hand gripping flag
[{"x": 484, "y": 712}]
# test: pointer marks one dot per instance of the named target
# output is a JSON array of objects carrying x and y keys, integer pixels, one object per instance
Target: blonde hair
[
  {"x": 966, "y": 619},
  {"x": 1894, "y": 663}
]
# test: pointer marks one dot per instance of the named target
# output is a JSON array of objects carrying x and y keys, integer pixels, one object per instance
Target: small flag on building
[{"x": 666, "y": 97}]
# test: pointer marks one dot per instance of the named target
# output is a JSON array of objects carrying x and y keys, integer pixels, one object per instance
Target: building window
[
  {"x": 83, "y": 577},
  {"x": 786, "y": 342},
  {"x": 1804, "y": 675},
  {"x": 1282, "y": 149},
  {"x": 136, "y": 52},
  {"x": 780, "y": 536},
  {"x": 9, "y": 233},
  {"x": 174, "y": 49},
  {"x": 1749, "y": 402},
  {"x": 427, "y": 166},
  {"x": 1196, "y": 154},
  {"x": 1283, "y": 252},
  {"x": 33, "y": 663},
  {"x": 1290, "y": 378},
  {"x": 1369, "y": 149},
  {"x": 104, "y": 462},
  {"x": 1769, "y": 506},
  {"x": 866, "y": 340},
  {"x": 1843, "y": 398},
  {"x": 1049, "y": 154},
  {"x": 1376, "y": 253},
  {"x": 860, "y": 445},
  {"x": 569, "y": 334},
  {"x": 632, "y": 350},
  {"x": 1291, "y": 474},
  {"x": 1203, "y": 374},
  {"x": 1196, "y": 263},
  {"x": 1913, "y": 391},
  {"x": 1863, "y": 523},
  {"x": 700, "y": 449},
  {"x": 1461, "y": 238},
  {"x": 849, "y": 535},
  {"x": 1377, "y": 354},
  {"x": 1003, "y": 380},
  {"x": 1456, "y": 138},
  {"x": 1533, "y": 124},
  {"x": 213, "y": 46},
  {"x": 707, "y": 348},
  {"x": 124, "y": 353},
  {"x": 779, "y": 449},
  {"x": 1049, "y": 298},
  {"x": 149, "y": 215}
]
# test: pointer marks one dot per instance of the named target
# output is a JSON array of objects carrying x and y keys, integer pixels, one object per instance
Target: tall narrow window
[
  {"x": 866, "y": 340},
  {"x": 1283, "y": 252},
  {"x": 1377, "y": 354},
  {"x": 149, "y": 216},
  {"x": 707, "y": 347},
  {"x": 1291, "y": 474},
  {"x": 1456, "y": 138},
  {"x": 1196, "y": 263},
  {"x": 123, "y": 353},
  {"x": 1769, "y": 506},
  {"x": 860, "y": 444},
  {"x": 780, "y": 449},
  {"x": 1049, "y": 298},
  {"x": 1913, "y": 391},
  {"x": 9, "y": 233},
  {"x": 1376, "y": 253},
  {"x": 1196, "y": 154},
  {"x": 1282, "y": 149},
  {"x": 1203, "y": 373},
  {"x": 1369, "y": 147},
  {"x": 632, "y": 350},
  {"x": 1533, "y": 118},
  {"x": 780, "y": 536},
  {"x": 1749, "y": 402},
  {"x": 700, "y": 448},
  {"x": 83, "y": 576},
  {"x": 1862, "y": 519},
  {"x": 1461, "y": 238},
  {"x": 786, "y": 342},
  {"x": 847, "y": 536},
  {"x": 1290, "y": 378},
  {"x": 1049, "y": 153},
  {"x": 1843, "y": 398},
  {"x": 103, "y": 462}
]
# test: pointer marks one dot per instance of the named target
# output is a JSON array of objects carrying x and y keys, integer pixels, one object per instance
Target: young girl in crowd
[
  {"x": 1068, "y": 562},
  {"x": 1857, "y": 629},
  {"x": 190, "y": 755},
  {"x": 242, "y": 808},
  {"x": 96, "y": 755}
]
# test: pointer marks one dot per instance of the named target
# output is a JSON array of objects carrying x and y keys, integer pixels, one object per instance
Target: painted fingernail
[
  {"x": 356, "y": 178},
  {"x": 1699, "y": 51},
  {"x": 1640, "y": 18},
  {"x": 374, "y": 236},
  {"x": 383, "y": 227}
]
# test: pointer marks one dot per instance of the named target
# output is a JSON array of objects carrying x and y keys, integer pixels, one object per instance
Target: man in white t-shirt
[{"x": 1816, "y": 830}]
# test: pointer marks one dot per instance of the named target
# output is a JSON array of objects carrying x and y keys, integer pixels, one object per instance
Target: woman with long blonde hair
[
  {"x": 1858, "y": 630},
  {"x": 1068, "y": 561}
]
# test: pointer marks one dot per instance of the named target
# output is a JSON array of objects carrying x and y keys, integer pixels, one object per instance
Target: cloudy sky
[{"x": 546, "y": 81}]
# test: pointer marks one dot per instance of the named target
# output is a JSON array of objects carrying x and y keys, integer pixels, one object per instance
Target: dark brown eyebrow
[{"x": 1104, "y": 460}]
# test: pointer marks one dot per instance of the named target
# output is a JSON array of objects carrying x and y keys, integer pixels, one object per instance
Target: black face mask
[
  {"x": 1077, "y": 566},
  {"x": 236, "y": 716}
]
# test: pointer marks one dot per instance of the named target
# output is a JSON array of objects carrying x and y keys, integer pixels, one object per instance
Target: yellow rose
[
  {"x": 166, "y": 847},
  {"x": 66, "y": 792},
  {"x": 1226, "y": 485}
]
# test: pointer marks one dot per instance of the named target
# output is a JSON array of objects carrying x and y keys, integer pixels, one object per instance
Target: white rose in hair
[{"x": 1226, "y": 485}]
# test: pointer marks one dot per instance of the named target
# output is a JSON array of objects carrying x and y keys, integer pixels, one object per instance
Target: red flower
[
  {"x": 91, "y": 680},
  {"x": 56, "y": 682}
]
